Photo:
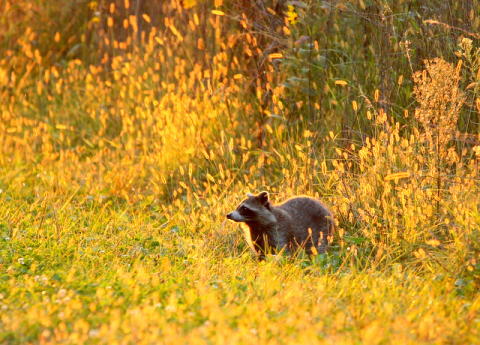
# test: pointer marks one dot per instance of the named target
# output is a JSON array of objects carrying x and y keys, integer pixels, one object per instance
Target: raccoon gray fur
[{"x": 298, "y": 222}]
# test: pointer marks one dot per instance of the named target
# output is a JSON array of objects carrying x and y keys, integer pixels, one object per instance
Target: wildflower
[
  {"x": 93, "y": 333},
  {"x": 466, "y": 44},
  {"x": 292, "y": 16},
  {"x": 171, "y": 308},
  {"x": 93, "y": 5}
]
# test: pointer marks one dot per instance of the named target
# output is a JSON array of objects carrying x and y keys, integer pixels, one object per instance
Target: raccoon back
[{"x": 307, "y": 213}]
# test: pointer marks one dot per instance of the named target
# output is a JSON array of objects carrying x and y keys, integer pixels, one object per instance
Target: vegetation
[{"x": 129, "y": 129}]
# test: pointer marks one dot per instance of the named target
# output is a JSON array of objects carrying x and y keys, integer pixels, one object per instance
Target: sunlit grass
[
  {"x": 119, "y": 275},
  {"x": 115, "y": 179}
]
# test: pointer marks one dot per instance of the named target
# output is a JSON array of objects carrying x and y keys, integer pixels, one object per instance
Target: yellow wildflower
[{"x": 292, "y": 16}]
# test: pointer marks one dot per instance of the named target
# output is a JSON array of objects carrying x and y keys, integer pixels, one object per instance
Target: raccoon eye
[{"x": 244, "y": 210}]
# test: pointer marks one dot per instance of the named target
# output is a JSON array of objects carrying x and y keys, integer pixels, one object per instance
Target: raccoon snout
[{"x": 234, "y": 216}]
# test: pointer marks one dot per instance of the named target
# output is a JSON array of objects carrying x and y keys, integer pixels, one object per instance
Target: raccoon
[{"x": 299, "y": 222}]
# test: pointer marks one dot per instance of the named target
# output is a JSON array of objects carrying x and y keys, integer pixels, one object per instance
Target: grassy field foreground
[
  {"x": 126, "y": 137},
  {"x": 114, "y": 274}
]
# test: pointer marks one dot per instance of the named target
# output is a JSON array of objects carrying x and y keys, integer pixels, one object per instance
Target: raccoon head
[{"x": 255, "y": 208}]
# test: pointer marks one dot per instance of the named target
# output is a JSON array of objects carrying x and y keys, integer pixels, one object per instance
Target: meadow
[{"x": 129, "y": 129}]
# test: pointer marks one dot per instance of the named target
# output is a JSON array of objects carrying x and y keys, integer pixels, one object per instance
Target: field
[{"x": 129, "y": 129}]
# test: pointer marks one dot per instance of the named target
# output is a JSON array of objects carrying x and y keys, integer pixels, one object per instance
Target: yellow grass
[{"x": 117, "y": 174}]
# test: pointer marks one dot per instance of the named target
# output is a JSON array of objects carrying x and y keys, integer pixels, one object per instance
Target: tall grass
[{"x": 127, "y": 135}]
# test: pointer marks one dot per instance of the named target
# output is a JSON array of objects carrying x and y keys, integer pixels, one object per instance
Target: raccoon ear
[
  {"x": 249, "y": 195},
  {"x": 263, "y": 198}
]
